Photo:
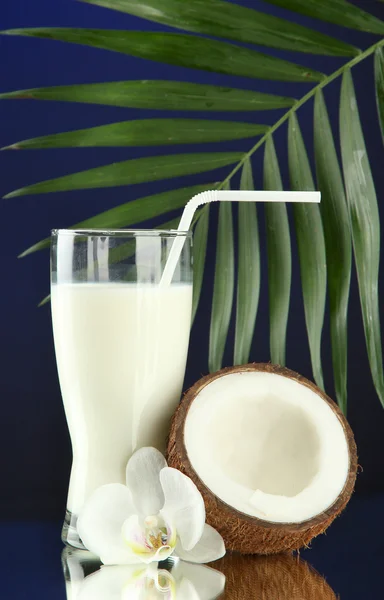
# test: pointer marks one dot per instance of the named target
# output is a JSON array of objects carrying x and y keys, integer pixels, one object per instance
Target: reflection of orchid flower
[
  {"x": 141, "y": 582},
  {"x": 158, "y": 513}
]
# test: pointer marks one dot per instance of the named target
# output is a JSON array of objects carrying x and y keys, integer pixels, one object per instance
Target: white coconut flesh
[{"x": 267, "y": 446}]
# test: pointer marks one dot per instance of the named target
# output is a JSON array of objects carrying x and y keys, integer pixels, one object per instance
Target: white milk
[{"x": 121, "y": 351}]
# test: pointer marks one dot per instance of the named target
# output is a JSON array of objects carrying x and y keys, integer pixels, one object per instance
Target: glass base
[{"x": 69, "y": 534}]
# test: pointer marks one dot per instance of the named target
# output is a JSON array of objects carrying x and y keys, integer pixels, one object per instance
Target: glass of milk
[{"x": 121, "y": 342}]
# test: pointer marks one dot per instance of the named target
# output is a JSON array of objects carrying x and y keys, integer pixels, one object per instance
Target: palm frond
[
  {"x": 339, "y": 12},
  {"x": 379, "y": 81},
  {"x": 337, "y": 234},
  {"x": 200, "y": 240},
  {"x": 311, "y": 246},
  {"x": 223, "y": 288},
  {"x": 181, "y": 50},
  {"x": 279, "y": 257},
  {"x": 132, "y": 213},
  {"x": 161, "y": 95},
  {"x": 146, "y": 132},
  {"x": 323, "y": 236},
  {"x": 365, "y": 223},
  {"x": 129, "y": 172},
  {"x": 232, "y": 22},
  {"x": 248, "y": 278}
]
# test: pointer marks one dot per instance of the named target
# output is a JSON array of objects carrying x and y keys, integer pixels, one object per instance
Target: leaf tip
[
  {"x": 17, "y": 96},
  {"x": 11, "y": 147},
  {"x": 13, "y": 194},
  {"x": 44, "y": 301},
  {"x": 11, "y": 32}
]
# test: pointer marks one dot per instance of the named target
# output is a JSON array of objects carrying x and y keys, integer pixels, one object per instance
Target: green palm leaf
[
  {"x": 279, "y": 257},
  {"x": 311, "y": 246},
  {"x": 200, "y": 239},
  {"x": 44, "y": 301},
  {"x": 146, "y": 132},
  {"x": 182, "y": 50},
  {"x": 223, "y": 288},
  {"x": 337, "y": 235},
  {"x": 248, "y": 278},
  {"x": 132, "y": 212},
  {"x": 133, "y": 171},
  {"x": 339, "y": 12},
  {"x": 365, "y": 223},
  {"x": 160, "y": 95},
  {"x": 379, "y": 80},
  {"x": 223, "y": 19}
]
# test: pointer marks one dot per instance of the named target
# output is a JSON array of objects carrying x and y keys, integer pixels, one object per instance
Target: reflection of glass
[
  {"x": 86, "y": 579},
  {"x": 121, "y": 343},
  {"x": 77, "y": 565},
  {"x": 276, "y": 577},
  {"x": 234, "y": 577}
]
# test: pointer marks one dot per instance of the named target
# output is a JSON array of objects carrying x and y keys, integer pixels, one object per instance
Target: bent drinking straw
[{"x": 226, "y": 196}]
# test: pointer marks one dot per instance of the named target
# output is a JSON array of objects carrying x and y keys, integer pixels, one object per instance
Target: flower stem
[{"x": 356, "y": 60}]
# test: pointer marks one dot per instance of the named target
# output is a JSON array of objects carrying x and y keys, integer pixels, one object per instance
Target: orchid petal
[
  {"x": 140, "y": 543},
  {"x": 187, "y": 591},
  {"x": 109, "y": 582},
  {"x": 153, "y": 584},
  {"x": 165, "y": 584},
  {"x": 184, "y": 506},
  {"x": 143, "y": 480},
  {"x": 210, "y": 547},
  {"x": 158, "y": 555},
  {"x": 208, "y": 583},
  {"x": 100, "y": 521}
]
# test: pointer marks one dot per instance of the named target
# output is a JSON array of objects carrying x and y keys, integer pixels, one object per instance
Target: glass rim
[{"x": 121, "y": 232}]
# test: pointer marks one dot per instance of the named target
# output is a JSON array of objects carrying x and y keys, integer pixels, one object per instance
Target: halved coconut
[{"x": 272, "y": 455}]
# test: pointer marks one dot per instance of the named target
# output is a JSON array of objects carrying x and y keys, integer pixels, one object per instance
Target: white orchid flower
[
  {"x": 146, "y": 582},
  {"x": 159, "y": 513}
]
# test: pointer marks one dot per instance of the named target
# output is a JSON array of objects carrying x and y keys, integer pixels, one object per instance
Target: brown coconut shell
[
  {"x": 244, "y": 533},
  {"x": 277, "y": 577}
]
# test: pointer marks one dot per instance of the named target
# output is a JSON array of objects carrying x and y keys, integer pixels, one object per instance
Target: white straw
[{"x": 229, "y": 196}]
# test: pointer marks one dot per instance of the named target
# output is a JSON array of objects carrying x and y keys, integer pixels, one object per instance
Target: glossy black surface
[{"x": 350, "y": 557}]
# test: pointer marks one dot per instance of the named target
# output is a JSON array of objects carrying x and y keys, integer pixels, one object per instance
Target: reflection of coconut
[
  {"x": 277, "y": 577},
  {"x": 272, "y": 455}
]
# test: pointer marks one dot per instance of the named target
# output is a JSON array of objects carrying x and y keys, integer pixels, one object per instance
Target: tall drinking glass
[{"x": 121, "y": 342}]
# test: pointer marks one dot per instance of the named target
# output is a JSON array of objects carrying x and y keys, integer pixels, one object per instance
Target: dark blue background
[{"x": 34, "y": 443}]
